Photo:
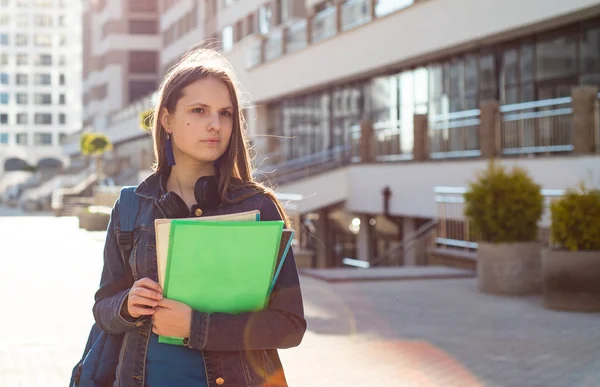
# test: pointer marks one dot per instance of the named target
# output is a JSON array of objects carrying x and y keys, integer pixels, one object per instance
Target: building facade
[
  {"x": 40, "y": 81},
  {"x": 376, "y": 110}
]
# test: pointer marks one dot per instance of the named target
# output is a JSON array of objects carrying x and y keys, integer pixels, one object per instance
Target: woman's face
[{"x": 202, "y": 123}]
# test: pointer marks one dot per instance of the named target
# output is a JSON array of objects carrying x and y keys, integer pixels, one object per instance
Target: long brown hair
[{"x": 235, "y": 170}]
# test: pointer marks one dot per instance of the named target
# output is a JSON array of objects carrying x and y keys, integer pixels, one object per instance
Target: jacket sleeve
[
  {"x": 114, "y": 285},
  {"x": 280, "y": 325}
]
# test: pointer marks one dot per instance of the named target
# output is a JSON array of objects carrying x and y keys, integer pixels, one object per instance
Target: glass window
[
  {"x": 4, "y": 39},
  {"x": 3, "y": 118},
  {"x": 488, "y": 84},
  {"x": 62, "y": 99},
  {"x": 3, "y": 98},
  {"x": 556, "y": 58},
  {"x": 590, "y": 57},
  {"x": 21, "y": 98},
  {"x": 61, "y": 79},
  {"x": 384, "y": 99},
  {"x": 42, "y": 98},
  {"x": 3, "y": 138},
  {"x": 22, "y": 20},
  {"x": 21, "y": 138},
  {"x": 265, "y": 14},
  {"x": 22, "y": 118},
  {"x": 43, "y": 3},
  {"x": 3, "y": 59},
  {"x": 22, "y": 79},
  {"x": 62, "y": 118},
  {"x": 42, "y": 139},
  {"x": 43, "y": 118},
  {"x": 43, "y": 60},
  {"x": 21, "y": 40},
  {"x": 61, "y": 21},
  {"x": 227, "y": 38},
  {"x": 4, "y": 19},
  {"x": 147, "y": 27},
  {"x": 43, "y": 20},
  {"x": 43, "y": 40},
  {"x": 43, "y": 79},
  {"x": 22, "y": 60},
  {"x": 3, "y": 79}
]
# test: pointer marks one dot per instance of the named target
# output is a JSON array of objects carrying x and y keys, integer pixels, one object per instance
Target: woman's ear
[{"x": 165, "y": 119}]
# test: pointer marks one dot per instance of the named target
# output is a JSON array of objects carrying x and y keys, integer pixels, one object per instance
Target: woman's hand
[
  {"x": 143, "y": 297},
  {"x": 172, "y": 318}
]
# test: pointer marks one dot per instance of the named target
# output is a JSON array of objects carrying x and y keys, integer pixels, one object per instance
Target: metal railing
[
  {"x": 305, "y": 166},
  {"x": 453, "y": 228},
  {"x": 388, "y": 142},
  {"x": 255, "y": 54},
  {"x": 455, "y": 135},
  {"x": 537, "y": 127},
  {"x": 355, "y": 13},
  {"x": 297, "y": 37},
  {"x": 274, "y": 45},
  {"x": 414, "y": 247},
  {"x": 323, "y": 25}
]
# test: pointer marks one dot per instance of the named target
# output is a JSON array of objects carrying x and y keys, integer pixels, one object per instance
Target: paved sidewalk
[{"x": 431, "y": 333}]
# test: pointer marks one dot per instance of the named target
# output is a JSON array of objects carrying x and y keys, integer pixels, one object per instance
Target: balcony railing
[
  {"x": 296, "y": 38},
  {"x": 537, "y": 127},
  {"x": 355, "y": 13},
  {"x": 133, "y": 109},
  {"x": 274, "y": 45},
  {"x": 454, "y": 135},
  {"x": 323, "y": 25},
  {"x": 453, "y": 227}
]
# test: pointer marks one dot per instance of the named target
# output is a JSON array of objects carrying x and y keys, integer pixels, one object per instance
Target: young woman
[{"x": 199, "y": 135}]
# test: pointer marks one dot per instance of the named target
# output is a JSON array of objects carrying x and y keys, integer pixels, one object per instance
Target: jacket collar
[{"x": 155, "y": 186}]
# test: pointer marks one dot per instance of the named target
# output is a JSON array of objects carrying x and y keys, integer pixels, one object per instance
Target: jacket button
[
  {"x": 220, "y": 381},
  {"x": 198, "y": 212}
]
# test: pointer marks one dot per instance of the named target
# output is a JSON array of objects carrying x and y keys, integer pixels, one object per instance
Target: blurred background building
[
  {"x": 385, "y": 108},
  {"x": 40, "y": 85}
]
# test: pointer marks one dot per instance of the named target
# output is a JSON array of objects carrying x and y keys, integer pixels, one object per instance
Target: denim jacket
[{"x": 239, "y": 350}]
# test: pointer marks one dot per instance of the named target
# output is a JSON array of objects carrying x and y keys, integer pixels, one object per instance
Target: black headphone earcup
[
  {"x": 206, "y": 192},
  {"x": 173, "y": 205}
]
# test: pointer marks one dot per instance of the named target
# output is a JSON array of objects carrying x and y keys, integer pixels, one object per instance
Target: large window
[
  {"x": 3, "y": 79},
  {"x": 3, "y": 118},
  {"x": 21, "y": 138},
  {"x": 22, "y": 118},
  {"x": 3, "y": 39},
  {"x": 3, "y": 98},
  {"x": 42, "y": 138},
  {"x": 139, "y": 89},
  {"x": 22, "y": 79},
  {"x": 42, "y": 99},
  {"x": 43, "y": 118},
  {"x": 43, "y": 60},
  {"x": 43, "y": 79}
]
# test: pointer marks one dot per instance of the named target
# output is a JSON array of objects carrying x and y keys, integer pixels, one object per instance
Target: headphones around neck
[{"x": 206, "y": 193}]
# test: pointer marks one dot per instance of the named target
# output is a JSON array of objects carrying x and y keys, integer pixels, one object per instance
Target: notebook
[
  {"x": 222, "y": 266},
  {"x": 163, "y": 231}
]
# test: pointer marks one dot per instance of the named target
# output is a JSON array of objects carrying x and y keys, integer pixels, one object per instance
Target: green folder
[{"x": 224, "y": 266}]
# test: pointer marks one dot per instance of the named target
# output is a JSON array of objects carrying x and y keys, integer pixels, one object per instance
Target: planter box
[
  {"x": 93, "y": 222},
  {"x": 571, "y": 280},
  {"x": 509, "y": 268}
]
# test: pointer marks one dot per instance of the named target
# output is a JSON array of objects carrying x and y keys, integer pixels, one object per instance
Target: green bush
[
  {"x": 94, "y": 143},
  {"x": 576, "y": 220},
  {"x": 504, "y": 206}
]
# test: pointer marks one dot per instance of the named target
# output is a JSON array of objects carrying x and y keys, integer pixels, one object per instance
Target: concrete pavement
[{"x": 391, "y": 333}]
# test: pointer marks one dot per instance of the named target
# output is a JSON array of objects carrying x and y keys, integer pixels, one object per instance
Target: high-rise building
[
  {"x": 381, "y": 109},
  {"x": 40, "y": 81}
]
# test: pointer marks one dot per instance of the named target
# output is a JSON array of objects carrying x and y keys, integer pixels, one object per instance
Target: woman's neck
[{"x": 183, "y": 178}]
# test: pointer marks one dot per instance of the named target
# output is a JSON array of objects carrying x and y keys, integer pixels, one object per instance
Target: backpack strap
[{"x": 129, "y": 203}]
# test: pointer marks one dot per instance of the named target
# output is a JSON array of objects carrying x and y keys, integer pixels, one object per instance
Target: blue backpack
[{"x": 98, "y": 365}]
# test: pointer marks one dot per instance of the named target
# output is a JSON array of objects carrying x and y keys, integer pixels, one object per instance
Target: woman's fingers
[
  {"x": 148, "y": 284},
  {"x": 142, "y": 301},
  {"x": 147, "y": 293},
  {"x": 137, "y": 311}
]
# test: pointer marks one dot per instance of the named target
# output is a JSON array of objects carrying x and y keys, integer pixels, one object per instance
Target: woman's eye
[
  {"x": 226, "y": 113},
  {"x": 198, "y": 110}
]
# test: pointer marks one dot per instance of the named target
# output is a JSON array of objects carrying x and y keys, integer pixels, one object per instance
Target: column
[
  {"x": 323, "y": 242},
  {"x": 585, "y": 105},
  {"x": 365, "y": 243},
  {"x": 366, "y": 147},
  {"x": 421, "y": 137},
  {"x": 490, "y": 129},
  {"x": 408, "y": 227}
]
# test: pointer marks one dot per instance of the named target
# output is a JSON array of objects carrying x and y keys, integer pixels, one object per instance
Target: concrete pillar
[
  {"x": 585, "y": 106},
  {"x": 421, "y": 137},
  {"x": 323, "y": 243},
  {"x": 338, "y": 15},
  {"x": 365, "y": 242},
  {"x": 408, "y": 227},
  {"x": 367, "y": 146},
  {"x": 490, "y": 129}
]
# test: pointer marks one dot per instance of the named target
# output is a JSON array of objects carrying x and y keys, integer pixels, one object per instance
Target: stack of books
[{"x": 225, "y": 263}]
